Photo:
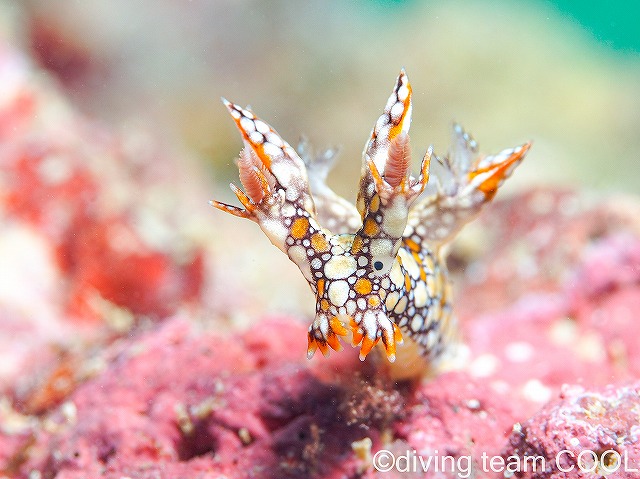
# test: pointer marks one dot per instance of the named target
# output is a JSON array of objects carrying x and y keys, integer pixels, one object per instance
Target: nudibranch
[{"x": 379, "y": 267}]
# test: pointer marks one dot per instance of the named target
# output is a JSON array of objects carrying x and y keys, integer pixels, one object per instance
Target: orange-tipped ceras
[{"x": 376, "y": 267}]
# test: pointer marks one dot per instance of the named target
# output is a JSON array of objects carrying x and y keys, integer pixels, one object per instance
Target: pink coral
[{"x": 548, "y": 287}]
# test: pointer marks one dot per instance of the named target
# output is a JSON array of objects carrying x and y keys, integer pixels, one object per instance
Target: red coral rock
[
  {"x": 575, "y": 326},
  {"x": 75, "y": 64},
  {"x": 144, "y": 281},
  {"x": 181, "y": 400},
  {"x": 74, "y": 184},
  {"x": 77, "y": 252},
  {"x": 533, "y": 243},
  {"x": 581, "y": 434},
  {"x": 456, "y": 416}
]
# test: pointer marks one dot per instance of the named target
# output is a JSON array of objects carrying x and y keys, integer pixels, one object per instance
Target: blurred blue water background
[{"x": 563, "y": 73}]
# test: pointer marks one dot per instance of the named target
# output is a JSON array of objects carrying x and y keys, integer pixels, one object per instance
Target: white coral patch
[
  {"x": 536, "y": 391},
  {"x": 519, "y": 351},
  {"x": 338, "y": 292},
  {"x": 27, "y": 259},
  {"x": 54, "y": 169},
  {"x": 484, "y": 365},
  {"x": 340, "y": 267}
]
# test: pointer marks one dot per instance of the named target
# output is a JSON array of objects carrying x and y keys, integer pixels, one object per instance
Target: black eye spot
[{"x": 378, "y": 265}]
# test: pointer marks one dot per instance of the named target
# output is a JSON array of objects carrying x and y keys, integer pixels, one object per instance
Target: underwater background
[
  {"x": 145, "y": 334},
  {"x": 565, "y": 74}
]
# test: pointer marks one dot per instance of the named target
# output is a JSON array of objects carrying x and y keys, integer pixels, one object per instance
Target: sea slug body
[{"x": 378, "y": 267}]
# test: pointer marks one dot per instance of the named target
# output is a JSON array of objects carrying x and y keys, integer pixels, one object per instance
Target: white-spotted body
[{"x": 378, "y": 266}]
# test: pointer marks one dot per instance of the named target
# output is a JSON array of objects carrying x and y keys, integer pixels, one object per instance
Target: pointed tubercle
[{"x": 494, "y": 170}]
